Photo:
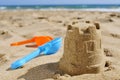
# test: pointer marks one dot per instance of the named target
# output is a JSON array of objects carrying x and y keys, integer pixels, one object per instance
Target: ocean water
[{"x": 90, "y": 7}]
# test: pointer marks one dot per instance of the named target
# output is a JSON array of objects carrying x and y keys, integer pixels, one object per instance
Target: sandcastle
[{"x": 83, "y": 52}]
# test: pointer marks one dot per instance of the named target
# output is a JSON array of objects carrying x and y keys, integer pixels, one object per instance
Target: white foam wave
[
  {"x": 104, "y": 9},
  {"x": 2, "y": 8},
  {"x": 67, "y": 9},
  {"x": 87, "y": 9}
]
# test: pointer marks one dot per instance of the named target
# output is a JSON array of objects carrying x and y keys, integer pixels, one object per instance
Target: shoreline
[
  {"x": 77, "y": 7},
  {"x": 83, "y": 10}
]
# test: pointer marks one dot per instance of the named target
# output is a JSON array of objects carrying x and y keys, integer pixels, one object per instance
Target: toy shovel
[
  {"x": 48, "y": 48},
  {"x": 39, "y": 40}
]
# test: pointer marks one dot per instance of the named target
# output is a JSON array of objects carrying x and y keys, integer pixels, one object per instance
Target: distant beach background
[{"x": 88, "y": 7}]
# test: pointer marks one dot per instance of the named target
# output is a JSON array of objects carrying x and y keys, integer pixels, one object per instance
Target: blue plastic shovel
[{"x": 46, "y": 49}]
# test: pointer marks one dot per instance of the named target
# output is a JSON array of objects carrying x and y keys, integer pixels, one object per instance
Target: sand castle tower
[{"x": 83, "y": 52}]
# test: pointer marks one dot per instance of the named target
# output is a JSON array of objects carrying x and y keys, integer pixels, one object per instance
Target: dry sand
[
  {"x": 21, "y": 25},
  {"x": 83, "y": 52}
]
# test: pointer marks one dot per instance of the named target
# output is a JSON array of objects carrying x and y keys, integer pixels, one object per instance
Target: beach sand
[{"x": 17, "y": 25}]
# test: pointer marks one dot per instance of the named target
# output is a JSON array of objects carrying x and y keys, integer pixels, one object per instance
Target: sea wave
[
  {"x": 2, "y": 8},
  {"x": 84, "y": 9},
  {"x": 65, "y": 9},
  {"x": 103, "y": 9}
]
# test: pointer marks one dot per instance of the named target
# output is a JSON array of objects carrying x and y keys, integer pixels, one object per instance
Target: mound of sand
[{"x": 83, "y": 52}]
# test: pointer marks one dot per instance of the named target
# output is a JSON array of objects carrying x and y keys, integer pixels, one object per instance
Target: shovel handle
[
  {"x": 22, "y": 61},
  {"x": 22, "y": 42},
  {"x": 39, "y": 40}
]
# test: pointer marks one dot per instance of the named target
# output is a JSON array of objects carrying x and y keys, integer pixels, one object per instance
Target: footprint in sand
[
  {"x": 115, "y": 35},
  {"x": 108, "y": 63},
  {"x": 108, "y": 53},
  {"x": 3, "y": 59},
  {"x": 109, "y": 66},
  {"x": 105, "y": 20},
  {"x": 5, "y": 34}
]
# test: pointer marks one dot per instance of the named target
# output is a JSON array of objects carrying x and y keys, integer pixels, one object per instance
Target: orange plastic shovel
[{"x": 39, "y": 40}]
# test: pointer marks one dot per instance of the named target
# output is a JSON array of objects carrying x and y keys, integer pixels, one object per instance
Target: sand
[
  {"x": 83, "y": 52},
  {"x": 24, "y": 24}
]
